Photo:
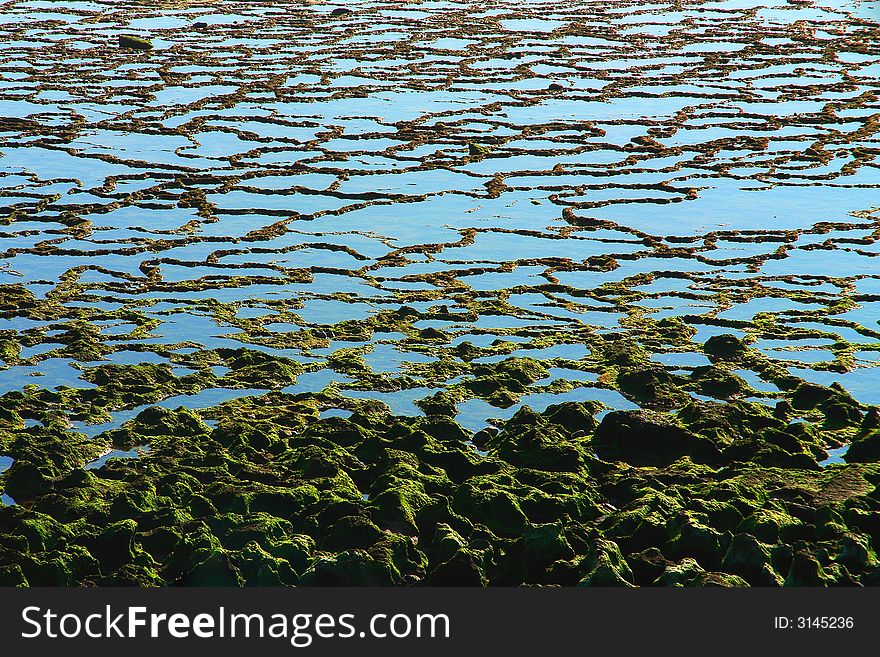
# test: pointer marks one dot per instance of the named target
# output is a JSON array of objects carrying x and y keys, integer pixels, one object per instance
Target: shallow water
[
  {"x": 280, "y": 178},
  {"x": 101, "y": 461}
]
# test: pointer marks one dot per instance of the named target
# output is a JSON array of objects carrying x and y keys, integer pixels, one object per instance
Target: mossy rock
[
  {"x": 642, "y": 523},
  {"x": 69, "y": 567},
  {"x": 478, "y": 150},
  {"x": 115, "y": 545},
  {"x": 807, "y": 571},
  {"x": 865, "y": 449},
  {"x": 750, "y": 559},
  {"x": 692, "y": 537},
  {"x": 647, "y": 565},
  {"x": 13, "y": 577},
  {"x": 839, "y": 408},
  {"x": 134, "y": 43},
  {"x": 725, "y": 423},
  {"x": 297, "y": 550},
  {"x": 715, "y": 381},
  {"x": 349, "y": 568},
  {"x": 604, "y": 565},
  {"x": 497, "y": 509},
  {"x": 856, "y": 553},
  {"x": 573, "y": 416},
  {"x": 16, "y": 298},
  {"x": 651, "y": 385},
  {"x": 452, "y": 562},
  {"x": 260, "y": 568},
  {"x": 350, "y": 532},
  {"x": 648, "y": 438},
  {"x": 770, "y": 526},
  {"x": 725, "y": 347},
  {"x": 537, "y": 445},
  {"x": 542, "y": 545},
  {"x": 680, "y": 574},
  {"x": 25, "y": 480},
  {"x": 215, "y": 569}
]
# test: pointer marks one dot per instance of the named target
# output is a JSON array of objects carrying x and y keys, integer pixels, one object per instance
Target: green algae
[
  {"x": 271, "y": 495},
  {"x": 134, "y": 43},
  {"x": 717, "y": 481}
]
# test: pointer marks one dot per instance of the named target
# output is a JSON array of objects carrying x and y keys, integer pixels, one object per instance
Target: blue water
[{"x": 283, "y": 172}]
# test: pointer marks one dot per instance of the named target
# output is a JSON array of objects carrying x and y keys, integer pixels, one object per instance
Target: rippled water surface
[{"x": 393, "y": 197}]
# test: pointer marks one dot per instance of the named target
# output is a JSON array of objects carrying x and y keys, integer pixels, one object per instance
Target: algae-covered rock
[
  {"x": 349, "y": 568},
  {"x": 478, "y": 150},
  {"x": 604, "y": 565},
  {"x": 652, "y": 386},
  {"x": 542, "y": 546},
  {"x": 717, "y": 382},
  {"x": 250, "y": 367},
  {"x": 647, "y": 565},
  {"x": 297, "y": 550},
  {"x": 680, "y": 574},
  {"x": 134, "y": 42},
  {"x": 724, "y": 347},
  {"x": 350, "y": 532},
  {"x": 865, "y": 449},
  {"x": 573, "y": 416},
  {"x": 530, "y": 442},
  {"x": 692, "y": 537},
  {"x": 12, "y": 576},
  {"x": 688, "y": 572},
  {"x": 857, "y": 553},
  {"x": 642, "y": 523},
  {"x": 807, "y": 571},
  {"x": 770, "y": 526},
  {"x": 25, "y": 480},
  {"x": 495, "y": 508},
  {"x": 269, "y": 493},
  {"x": 459, "y": 570},
  {"x": 810, "y": 395},
  {"x": 646, "y": 438},
  {"x": 260, "y": 568},
  {"x": 728, "y": 423},
  {"x": 452, "y": 562},
  {"x": 69, "y": 567},
  {"x": 115, "y": 545},
  {"x": 213, "y": 569},
  {"x": 15, "y": 298},
  {"x": 716, "y": 579},
  {"x": 397, "y": 507},
  {"x": 839, "y": 408},
  {"x": 751, "y": 560}
]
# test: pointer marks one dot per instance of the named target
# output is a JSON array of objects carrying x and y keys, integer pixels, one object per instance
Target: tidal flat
[{"x": 434, "y": 293}]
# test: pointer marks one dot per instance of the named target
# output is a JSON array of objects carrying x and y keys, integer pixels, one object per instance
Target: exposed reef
[
  {"x": 264, "y": 491},
  {"x": 420, "y": 293}
]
